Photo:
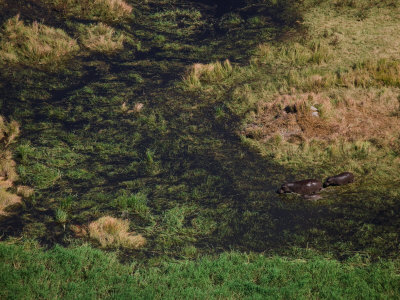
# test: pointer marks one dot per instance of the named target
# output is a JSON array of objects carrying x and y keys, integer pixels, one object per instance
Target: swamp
[{"x": 142, "y": 143}]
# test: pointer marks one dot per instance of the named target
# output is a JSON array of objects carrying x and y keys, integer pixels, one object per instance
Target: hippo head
[
  {"x": 328, "y": 182},
  {"x": 284, "y": 189}
]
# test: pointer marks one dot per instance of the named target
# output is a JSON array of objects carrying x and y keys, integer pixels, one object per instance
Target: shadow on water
[{"x": 174, "y": 150}]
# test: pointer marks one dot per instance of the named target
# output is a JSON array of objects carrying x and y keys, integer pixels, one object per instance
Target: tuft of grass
[
  {"x": 8, "y": 131},
  {"x": 34, "y": 45},
  {"x": 8, "y": 175},
  {"x": 135, "y": 202},
  {"x": 214, "y": 73},
  {"x": 102, "y": 38},
  {"x": 61, "y": 217},
  {"x": 111, "y": 232}
]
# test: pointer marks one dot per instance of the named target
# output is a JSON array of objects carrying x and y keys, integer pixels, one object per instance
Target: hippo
[
  {"x": 340, "y": 179},
  {"x": 303, "y": 187}
]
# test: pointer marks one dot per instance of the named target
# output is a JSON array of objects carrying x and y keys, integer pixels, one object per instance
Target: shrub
[
  {"x": 102, "y": 38},
  {"x": 35, "y": 45},
  {"x": 111, "y": 232}
]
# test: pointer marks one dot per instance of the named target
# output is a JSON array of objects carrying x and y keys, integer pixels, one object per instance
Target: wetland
[{"x": 177, "y": 125}]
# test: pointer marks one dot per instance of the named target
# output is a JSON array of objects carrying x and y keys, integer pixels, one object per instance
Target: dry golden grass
[
  {"x": 102, "y": 38},
  {"x": 137, "y": 108},
  {"x": 25, "y": 191},
  {"x": 7, "y": 201},
  {"x": 79, "y": 231},
  {"x": 34, "y": 45},
  {"x": 8, "y": 175},
  {"x": 353, "y": 115},
  {"x": 8, "y": 132},
  {"x": 112, "y": 232}
]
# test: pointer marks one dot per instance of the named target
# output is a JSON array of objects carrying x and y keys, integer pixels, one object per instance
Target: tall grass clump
[
  {"x": 213, "y": 73},
  {"x": 101, "y": 10},
  {"x": 34, "y": 45},
  {"x": 102, "y": 38},
  {"x": 111, "y": 233},
  {"x": 8, "y": 133}
]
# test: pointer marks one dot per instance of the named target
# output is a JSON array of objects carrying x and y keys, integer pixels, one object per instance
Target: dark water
[{"x": 190, "y": 163}]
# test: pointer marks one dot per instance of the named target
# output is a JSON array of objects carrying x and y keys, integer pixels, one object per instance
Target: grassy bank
[{"x": 28, "y": 272}]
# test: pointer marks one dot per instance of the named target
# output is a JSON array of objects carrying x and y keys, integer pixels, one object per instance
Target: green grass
[{"x": 28, "y": 272}]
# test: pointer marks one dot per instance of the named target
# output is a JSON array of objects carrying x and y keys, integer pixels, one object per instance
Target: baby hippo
[
  {"x": 303, "y": 187},
  {"x": 340, "y": 179}
]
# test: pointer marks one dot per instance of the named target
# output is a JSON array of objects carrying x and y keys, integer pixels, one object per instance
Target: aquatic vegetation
[
  {"x": 111, "y": 232},
  {"x": 194, "y": 163},
  {"x": 103, "y": 10},
  {"x": 35, "y": 45}
]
